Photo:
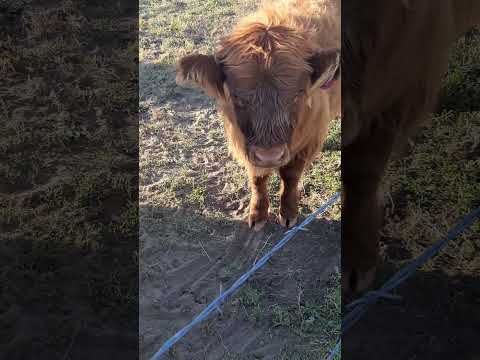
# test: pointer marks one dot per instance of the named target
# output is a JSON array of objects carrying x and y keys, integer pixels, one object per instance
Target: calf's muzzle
[{"x": 270, "y": 157}]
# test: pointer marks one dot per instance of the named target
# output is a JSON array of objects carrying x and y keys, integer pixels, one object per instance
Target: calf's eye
[{"x": 237, "y": 101}]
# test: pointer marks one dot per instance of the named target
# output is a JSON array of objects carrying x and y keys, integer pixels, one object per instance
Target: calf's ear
[
  {"x": 326, "y": 66},
  {"x": 202, "y": 71}
]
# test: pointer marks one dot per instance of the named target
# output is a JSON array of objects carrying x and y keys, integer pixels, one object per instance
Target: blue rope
[
  {"x": 335, "y": 351},
  {"x": 359, "y": 307},
  {"x": 237, "y": 284}
]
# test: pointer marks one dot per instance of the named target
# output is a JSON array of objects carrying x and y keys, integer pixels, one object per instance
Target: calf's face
[{"x": 263, "y": 88}]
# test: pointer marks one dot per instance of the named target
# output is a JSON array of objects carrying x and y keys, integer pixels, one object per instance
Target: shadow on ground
[
  {"x": 60, "y": 301},
  {"x": 187, "y": 259},
  {"x": 439, "y": 318},
  {"x": 158, "y": 88}
]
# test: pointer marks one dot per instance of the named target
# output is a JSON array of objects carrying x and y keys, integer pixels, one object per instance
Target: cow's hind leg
[
  {"x": 290, "y": 175},
  {"x": 258, "y": 213}
]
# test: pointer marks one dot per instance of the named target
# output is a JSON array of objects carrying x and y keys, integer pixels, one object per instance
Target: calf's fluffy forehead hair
[{"x": 276, "y": 49}]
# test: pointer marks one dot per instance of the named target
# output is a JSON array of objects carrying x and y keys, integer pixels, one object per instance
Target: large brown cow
[
  {"x": 394, "y": 55},
  {"x": 276, "y": 80}
]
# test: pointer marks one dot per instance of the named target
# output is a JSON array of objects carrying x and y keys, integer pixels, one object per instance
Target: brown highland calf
[
  {"x": 394, "y": 55},
  {"x": 275, "y": 78}
]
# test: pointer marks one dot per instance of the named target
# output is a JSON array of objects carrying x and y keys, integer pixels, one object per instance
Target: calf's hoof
[
  {"x": 287, "y": 221},
  {"x": 355, "y": 282},
  {"x": 256, "y": 221}
]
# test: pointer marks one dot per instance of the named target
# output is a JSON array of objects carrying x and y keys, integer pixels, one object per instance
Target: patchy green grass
[
  {"x": 250, "y": 301},
  {"x": 316, "y": 322},
  {"x": 323, "y": 179},
  {"x": 437, "y": 183},
  {"x": 462, "y": 84}
]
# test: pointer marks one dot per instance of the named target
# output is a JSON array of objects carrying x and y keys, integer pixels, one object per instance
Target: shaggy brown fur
[
  {"x": 394, "y": 55},
  {"x": 266, "y": 76}
]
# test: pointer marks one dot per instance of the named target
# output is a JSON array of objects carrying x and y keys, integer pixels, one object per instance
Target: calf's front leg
[
  {"x": 290, "y": 175},
  {"x": 258, "y": 212}
]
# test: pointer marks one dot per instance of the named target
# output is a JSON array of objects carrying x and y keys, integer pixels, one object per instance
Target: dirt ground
[
  {"x": 428, "y": 192},
  {"x": 258, "y": 323},
  {"x": 193, "y": 200}
]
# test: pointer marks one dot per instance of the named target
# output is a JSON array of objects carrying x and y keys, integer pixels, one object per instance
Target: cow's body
[
  {"x": 276, "y": 82},
  {"x": 394, "y": 55}
]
